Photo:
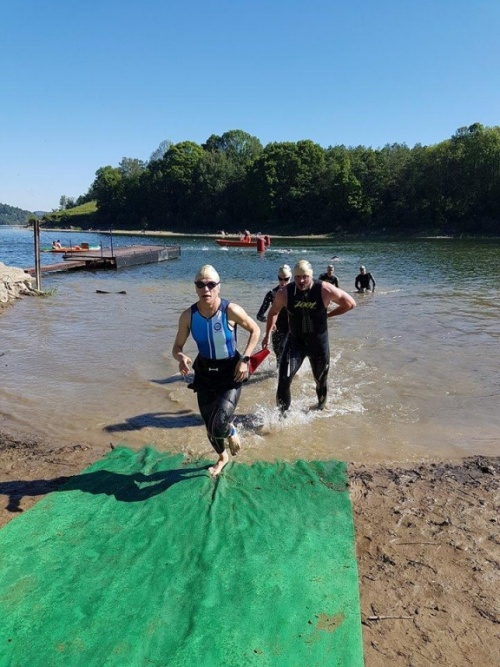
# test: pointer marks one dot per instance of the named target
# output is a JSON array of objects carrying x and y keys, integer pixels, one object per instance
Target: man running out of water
[
  {"x": 219, "y": 369},
  {"x": 306, "y": 301}
]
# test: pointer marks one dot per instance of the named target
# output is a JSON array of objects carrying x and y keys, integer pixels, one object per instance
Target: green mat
[{"x": 144, "y": 561}]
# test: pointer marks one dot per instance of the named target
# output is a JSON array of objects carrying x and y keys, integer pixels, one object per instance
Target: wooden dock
[{"x": 106, "y": 258}]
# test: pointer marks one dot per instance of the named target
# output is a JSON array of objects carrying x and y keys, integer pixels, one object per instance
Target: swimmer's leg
[
  {"x": 217, "y": 411},
  {"x": 278, "y": 338},
  {"x": 233, "y": 440},
  {"x": 216, "y": 470},
  {"x": 320, "y": 365},
  {"x": 291, "y": 360}
]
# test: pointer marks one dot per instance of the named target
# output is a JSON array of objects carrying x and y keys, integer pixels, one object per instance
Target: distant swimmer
[
  {"x": 330, "y": 276},
  {"x": 219, "y": 369},
  {"x": 306, "y": 302},
  {"x": 363, "y": 280}
]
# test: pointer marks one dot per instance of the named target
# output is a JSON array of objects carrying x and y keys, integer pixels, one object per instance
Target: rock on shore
[{"x": 15, "y": 283}]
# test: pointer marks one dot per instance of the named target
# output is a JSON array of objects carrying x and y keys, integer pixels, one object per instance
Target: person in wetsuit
[
  {"x": 363, "y": 279},
  {"x": 306, "y": 301},
  {"x": 330, "y": 276},
  {"x": 279, "y": 334},
  {"x": 219, "y": 369}
]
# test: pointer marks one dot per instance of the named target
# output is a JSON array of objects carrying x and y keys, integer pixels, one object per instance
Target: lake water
[{"x": 414, "y": 370}]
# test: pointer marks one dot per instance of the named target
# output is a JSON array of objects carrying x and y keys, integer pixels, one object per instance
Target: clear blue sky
[{"x": 84, "y": 84}]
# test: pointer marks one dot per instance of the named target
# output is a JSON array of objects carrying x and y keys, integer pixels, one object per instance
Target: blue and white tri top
[{"x": 214, "y": 337}]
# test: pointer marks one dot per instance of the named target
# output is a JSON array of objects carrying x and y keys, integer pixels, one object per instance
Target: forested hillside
[
  {"x": 233, "y": 182},
  {"x": 10, "y": 215}
]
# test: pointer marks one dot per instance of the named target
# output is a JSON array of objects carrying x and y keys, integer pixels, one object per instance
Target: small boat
[
  {"x": 236, "y": 244},
  {"x": 240, "y": 243},
  {"x": 84, "y": 247}
]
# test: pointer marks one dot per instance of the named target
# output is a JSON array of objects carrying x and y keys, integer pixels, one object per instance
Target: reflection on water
[{"x": 414, "y": 366}]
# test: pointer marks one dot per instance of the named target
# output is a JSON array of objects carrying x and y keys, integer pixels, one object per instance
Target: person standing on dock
[
  {"x": 219, "y": 369},
  {"x": 306, "y": 302}
]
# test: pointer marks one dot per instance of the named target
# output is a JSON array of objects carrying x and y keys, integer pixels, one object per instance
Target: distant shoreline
[
  {"x": 202, "y": 235},
  {"x": 160, "y": 234},
  {"x": 331, "y": 236}
]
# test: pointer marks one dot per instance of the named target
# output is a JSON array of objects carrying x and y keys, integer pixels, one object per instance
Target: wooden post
[
  {"x": 111, "y": 239},
  {"x": 38, "y": 272}
]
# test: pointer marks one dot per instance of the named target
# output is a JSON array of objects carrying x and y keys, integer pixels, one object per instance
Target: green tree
[
  {"x": 283, "y": 179},
  {"x": 108, "y": 190},
  {"x": 159, "y": 153},
  {"x": 237, "y": 145}
]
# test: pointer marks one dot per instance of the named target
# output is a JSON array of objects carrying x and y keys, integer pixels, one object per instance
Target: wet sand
[{"x": 427, "y": 541}]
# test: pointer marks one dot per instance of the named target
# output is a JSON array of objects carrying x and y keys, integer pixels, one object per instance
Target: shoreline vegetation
[
  {"x": 296, "y": 187},
  {"x": 233, "y": 235}
]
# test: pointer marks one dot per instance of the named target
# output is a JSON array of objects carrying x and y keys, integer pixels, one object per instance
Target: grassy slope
[{"x": 80, "y": 216}]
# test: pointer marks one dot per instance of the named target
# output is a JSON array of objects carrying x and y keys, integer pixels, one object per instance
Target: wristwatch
[{"x": 245, "y": 360}]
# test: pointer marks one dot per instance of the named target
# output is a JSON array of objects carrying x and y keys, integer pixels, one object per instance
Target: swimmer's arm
[
  {"x": 183, "y": 331},
  {"x": 343, "y": 300},
  {"x": 268, "y": 299},
  {"x": 237, "y": 315},
  {"x": 278, "y": 303}
]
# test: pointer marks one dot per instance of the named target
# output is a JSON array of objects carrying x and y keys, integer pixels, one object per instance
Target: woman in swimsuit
[{"x": 219, "y": 369}]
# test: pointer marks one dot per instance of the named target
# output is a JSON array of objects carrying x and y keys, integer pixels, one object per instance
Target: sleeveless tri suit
[
  {"x": 307, "y": 337},
  {"x": 217, "y": 391}
]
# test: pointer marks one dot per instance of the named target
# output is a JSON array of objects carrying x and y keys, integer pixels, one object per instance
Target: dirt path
[{"x": 428, "y": 545}]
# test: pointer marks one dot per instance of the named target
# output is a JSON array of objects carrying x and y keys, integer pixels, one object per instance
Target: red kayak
[
  {"x": 236, "y": 244},
  {"x": 240, "y": 243}
]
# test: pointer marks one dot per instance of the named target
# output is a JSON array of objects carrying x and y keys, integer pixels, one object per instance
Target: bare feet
[
  {"x": 233, "y": 440},
  {"x": 216, "y": 470}
]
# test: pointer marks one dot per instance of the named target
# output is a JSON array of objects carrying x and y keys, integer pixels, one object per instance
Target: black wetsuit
[
  {"x": 307, "y": 337},
  {"x": 333, "y": 280},
  {"x": 279, "y": 334},
  {"x": 363, "y": 281},
  {"x": 218, "y": 395}
]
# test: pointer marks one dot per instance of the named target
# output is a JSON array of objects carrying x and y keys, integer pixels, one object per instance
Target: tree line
[
  {"x": 11, "y": 215},
  {"x": 233, "y": 182}
]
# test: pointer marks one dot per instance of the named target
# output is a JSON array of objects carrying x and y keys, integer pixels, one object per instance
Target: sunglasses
[
  {"x": 283, "y": 278},
  {"x": 210, "y": 284}
]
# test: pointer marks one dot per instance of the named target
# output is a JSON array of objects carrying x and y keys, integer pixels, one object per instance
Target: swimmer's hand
[
  {"x": 241, "y": 371},
  {"x": 184, "y": 364}
]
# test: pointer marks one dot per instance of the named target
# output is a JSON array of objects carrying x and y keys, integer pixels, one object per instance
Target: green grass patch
[{"x": 79, "y": 217}]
